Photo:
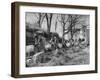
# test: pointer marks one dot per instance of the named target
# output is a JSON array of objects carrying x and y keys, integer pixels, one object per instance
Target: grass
[{"x": 72, "y": 56}]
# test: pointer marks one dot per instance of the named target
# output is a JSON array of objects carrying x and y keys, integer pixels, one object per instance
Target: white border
[{"x": 36, "y": 70}]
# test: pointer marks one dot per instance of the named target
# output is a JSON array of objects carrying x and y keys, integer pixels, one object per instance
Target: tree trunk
[{"x": 49, "y": 20}]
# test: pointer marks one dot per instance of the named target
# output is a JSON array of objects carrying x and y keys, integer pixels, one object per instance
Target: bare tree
[
  {"x": 69, "y": 23},
  {"x": 73, "y": 20},
  {"x": 64, "y": 19},
  {"x": 76, "y": 24},
  {"x": 40, "y": 18},
  {"x": 49, "y": 20}
]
